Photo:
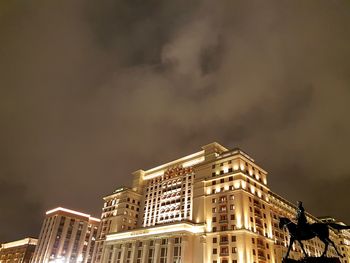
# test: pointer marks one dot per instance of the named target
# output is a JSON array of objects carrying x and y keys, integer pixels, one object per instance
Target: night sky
[{"x": 91, "y": 91}]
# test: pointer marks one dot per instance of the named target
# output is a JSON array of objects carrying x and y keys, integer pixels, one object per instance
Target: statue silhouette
[
  {"x": 304, "y": 231},
  {"x": 301, "y": 218}
]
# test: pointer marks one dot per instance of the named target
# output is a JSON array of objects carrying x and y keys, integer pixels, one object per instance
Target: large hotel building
[
  {"x": 213, "y": 206},
  {"x": 66, "y": 236}
]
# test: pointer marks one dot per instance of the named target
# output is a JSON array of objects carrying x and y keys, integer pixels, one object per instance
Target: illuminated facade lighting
[
  {"x": 66, "y": 236},
  {"x": 18, "y": 251},
  {"x": 213, "y": 206}
]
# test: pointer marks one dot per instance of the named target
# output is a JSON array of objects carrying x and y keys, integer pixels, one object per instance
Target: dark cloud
[{"x": 91, "y": 91}]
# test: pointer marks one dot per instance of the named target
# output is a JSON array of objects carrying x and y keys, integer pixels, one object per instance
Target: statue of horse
[{"x": 320, "y": 230}]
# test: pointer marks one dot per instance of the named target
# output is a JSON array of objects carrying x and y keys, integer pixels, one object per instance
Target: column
[
  {"x": 144, "y": 252},
  {"x": 185, "y": 250},
  {"x": 156, "y": 256},
  {"x": 105, "y": 253},
  {"x": 123, "y": 254},
  {"x": 203, "y": 248},
  {"x": 170, "y": 253},
  {"x": 133, "y": 251},
  {"x": 114, "y": 255}
]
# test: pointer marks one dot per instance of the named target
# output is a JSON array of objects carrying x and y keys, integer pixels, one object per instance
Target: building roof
[
  {"x": 21, "y": 242},
  {"x": 58, "y": 210}
]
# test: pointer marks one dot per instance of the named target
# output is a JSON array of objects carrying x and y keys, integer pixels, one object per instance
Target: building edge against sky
[
  {"x": 66, "y": 236},
  {"x": 213, "y": 206},
  {"x": 20, "y": 251}
]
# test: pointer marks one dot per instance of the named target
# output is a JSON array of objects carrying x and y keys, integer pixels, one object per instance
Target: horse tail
[{"x": 337, "y": 226}]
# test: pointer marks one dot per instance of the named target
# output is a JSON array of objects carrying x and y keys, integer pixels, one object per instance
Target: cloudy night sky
[{"x": 91, "y": 91}]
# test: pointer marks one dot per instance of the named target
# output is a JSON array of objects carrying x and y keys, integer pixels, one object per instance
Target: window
[
  {"x": 223, "y": 208},
  {"x": 234, "y": 250},
  {"x": 233, "y": 238},
  {"x": 223, "y": 199},
  {"x": 224, "y": 239},
  {"x": 223, "y": 218},
  {"x": 224, "y": 251},
  {"x": 215, "y": 251},
  {"x": 214, "y": 240}
]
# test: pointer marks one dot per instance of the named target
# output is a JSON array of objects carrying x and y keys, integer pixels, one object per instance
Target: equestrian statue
[{"x": 305, "y": 231}]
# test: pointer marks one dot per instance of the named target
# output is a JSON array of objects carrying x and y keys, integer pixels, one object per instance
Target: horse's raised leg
[
  {"x": 291, "y": 241},
  {"x": 330, "y": 241},
  {"x": 302, "y": 247}
]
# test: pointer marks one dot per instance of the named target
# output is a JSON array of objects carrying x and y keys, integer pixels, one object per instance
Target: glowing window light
[
  {"x": 252, "y": 189},
  {"x": 237, "y": 185},
  {"x": 242, "y": 167},
  {"x": 235, "y": 167},
  {"x": 225, "y": 169}
]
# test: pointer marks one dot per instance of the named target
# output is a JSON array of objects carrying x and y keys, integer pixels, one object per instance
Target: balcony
[
  {"x": 258, "y": 224},
  {"x": 261, "y": 245},
  {"x": 224, "y": 254},
  {"x": 256, "y": 204}
]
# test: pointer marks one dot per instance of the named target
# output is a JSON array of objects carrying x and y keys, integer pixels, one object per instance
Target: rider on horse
[{"x": 301, "y": 218}]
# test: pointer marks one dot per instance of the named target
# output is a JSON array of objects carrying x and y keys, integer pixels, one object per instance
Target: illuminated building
[
  {"x": 213, "y": 206},
  {"x": 19, "y": 251},
  {"x": 66, "y": 236},
  {"x": 120, "y": 212}
]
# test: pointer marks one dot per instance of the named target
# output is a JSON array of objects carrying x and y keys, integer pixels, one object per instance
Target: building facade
[
  {"x": 120, "y": 212},
  {"x": 66, "y": 236},
  {"x": 213, "y": 206},
  {"x": 19, "y": 251}
]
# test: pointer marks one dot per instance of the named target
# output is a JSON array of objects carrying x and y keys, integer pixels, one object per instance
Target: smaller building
[
  {"x": 19, "y": 251},
  {"x": 120, "y": 212},
  {"x": 66, "y": 236}
]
